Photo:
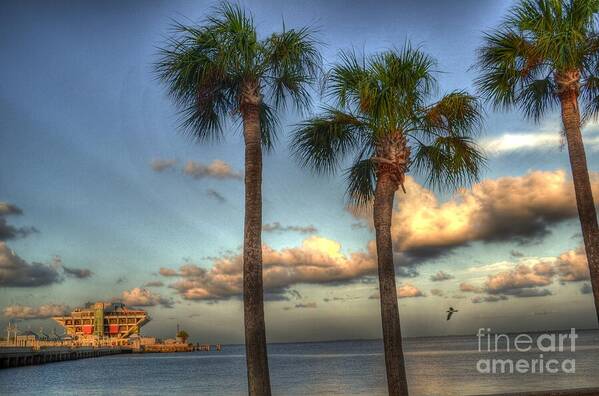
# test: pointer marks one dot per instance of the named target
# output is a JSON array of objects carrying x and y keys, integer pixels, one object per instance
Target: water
[{"x": 436, "y": 366}]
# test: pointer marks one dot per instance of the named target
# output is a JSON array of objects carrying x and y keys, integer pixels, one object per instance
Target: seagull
[{"x": 450, "y": 312}]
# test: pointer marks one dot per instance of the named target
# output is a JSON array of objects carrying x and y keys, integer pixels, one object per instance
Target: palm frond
[
  {"x": 321, "y": 143},
  {"x": 292, "y": 63},
  {"x": 538, "y": 97},
  {"x": 361, "y": 180},
  {"x": 455, "y": 114},
  {"x": 407, "y": 78},
  {"x": 449, "y": 161},
  {"x": 196, "y": 80},
  {"x": 538, "y": 40},
  {"x": 507, "y": 62},
  {"x": 347, "y": 82}
]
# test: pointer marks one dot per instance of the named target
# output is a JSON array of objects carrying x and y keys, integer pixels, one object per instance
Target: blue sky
[{"x": 82, "y": 117}]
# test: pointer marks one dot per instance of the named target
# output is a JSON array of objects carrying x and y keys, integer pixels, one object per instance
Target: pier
[{"x": 16, "y": 357}]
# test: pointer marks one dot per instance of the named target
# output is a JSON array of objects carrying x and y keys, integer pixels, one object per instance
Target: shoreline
[{"x": 555, "y": 392}]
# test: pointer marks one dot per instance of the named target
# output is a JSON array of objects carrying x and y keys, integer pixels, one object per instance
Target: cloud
[
  {"x": 437, "y": 292},
  {"x": 572, "y": 266},
  {"x": 335, "y": 298},
  {"x": 469, "y": 288},
  {"x": 217, "y": 169},
  {"x": 521, "y": 277},
  {"x": 8, "y": 231},
  {"x": 9, "y": 209},
  {"x": 168, "y": 272},
  {"x": 530, "y": 276},
  {"x": 520, "y": 209},
  {"x": 16, "y": 272},
  {"x": 441, "y": 276},
  {"x": 408, "y": 290},
  {"x": 481, "y": 299},
  {"x": 516, "y": 253},
  {"x": 156, "y": 283},
  {"x": 529, "y": 292},
  {"x": 586, "y": 288},
  {"x": 80, "y": 273},
  {"x": 216, "y": 195},
  {"x": 277, "y": 227},
  {"x": 318, "y": 260},
  {"x": 160, "y": 165},
  {"x": 404, "y": 291},
  {"x": 307, "y": 305},
  {"x": 547, "y": 137},
  {"x": 512, "y": 142},
  {"x": 144, "y": 298},
  {"x": 42, "y": 312}
]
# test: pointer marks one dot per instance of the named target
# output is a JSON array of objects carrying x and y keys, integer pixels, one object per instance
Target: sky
[{"x": 103, "y": 198}]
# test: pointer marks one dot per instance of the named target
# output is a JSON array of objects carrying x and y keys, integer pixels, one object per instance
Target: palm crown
[
  {"x": 543, "y": 49},
  {"x": 381, "y": 118},
  {"x": 217, "y": 69}
]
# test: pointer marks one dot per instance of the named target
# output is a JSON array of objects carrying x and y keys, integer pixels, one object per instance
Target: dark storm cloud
[
  {"x": 8, "y": 231},
  {"x": 16, "y": 272}
]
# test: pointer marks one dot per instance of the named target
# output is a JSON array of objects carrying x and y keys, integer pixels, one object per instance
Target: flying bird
[{"x": 450, "y": 312}]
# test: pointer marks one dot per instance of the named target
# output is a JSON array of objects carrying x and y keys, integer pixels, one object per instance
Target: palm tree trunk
[
  {"x": 582, "y": 187},
  {"x": 253, "y": 294},
  {"x": 397, "y": 382}
]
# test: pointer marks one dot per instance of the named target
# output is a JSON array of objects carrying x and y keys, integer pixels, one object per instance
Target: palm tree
[
  {"x": 382, "y": 119},
  {"x": 546, "y": 53},
  {"x": 221, "y": 71}
]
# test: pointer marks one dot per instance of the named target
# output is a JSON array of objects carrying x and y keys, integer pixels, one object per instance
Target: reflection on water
[{"x": 436, "y": 366}]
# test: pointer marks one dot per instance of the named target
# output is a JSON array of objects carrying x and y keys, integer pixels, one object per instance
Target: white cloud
[
  {"x": 217, "y": 169},
  {"x": 317, "y": 260},
  {"x": 42, "y": 312},
  {"x": 144, "y": 298},
  {"x": 521, "y": 208},
  {"x": 529, "y": 276},
  {"x": 547, "y": 137},
  {"x": 510, "y": 142}
]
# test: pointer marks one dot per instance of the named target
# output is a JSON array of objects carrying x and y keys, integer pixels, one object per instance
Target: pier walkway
[{"x": 16, "y": 357}]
